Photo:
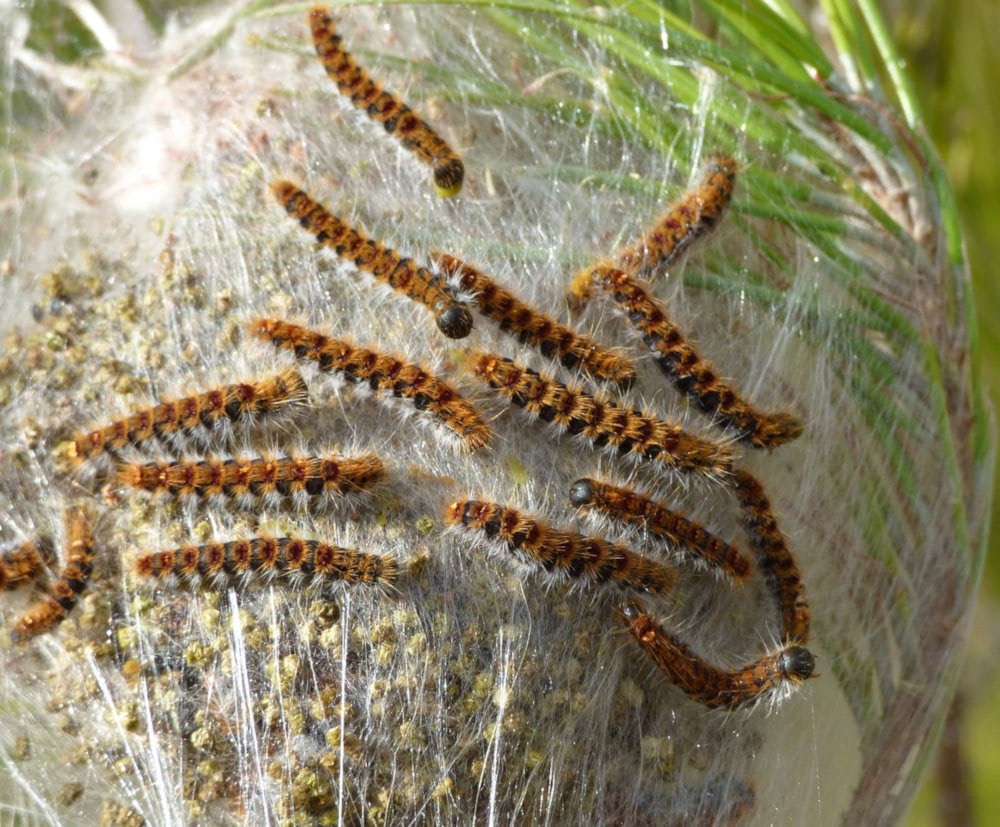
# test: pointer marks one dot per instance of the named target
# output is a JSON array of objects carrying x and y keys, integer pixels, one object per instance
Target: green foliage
[
  {"x": 58, "y": 32},
  {"x": 954, "y": 63}
]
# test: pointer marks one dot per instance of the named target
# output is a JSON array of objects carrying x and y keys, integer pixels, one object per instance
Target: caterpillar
[
  {"x": 385, "y": 108},
  {"x": 696, "y": 543},
  {"x": 64, "y": 592},
  {"x": 692, "y": 375},
  {"x": 240, "y": 478},
  {"x": 21, "y": 565},
  {"x": 773, "y": 675},
  {"x": 383, "y": 374},
  {"x": 697, "y": 211},
  {"x": 230, "y": 403},
  {"x": 601, "y": 422},
  {"x": 528, "y": 325},
  {"x": 402, "y": 274},
  {"x": 773, "y": 557},
  {"x": 562, "y": 552},
  {"x": 305, "y": 562}
]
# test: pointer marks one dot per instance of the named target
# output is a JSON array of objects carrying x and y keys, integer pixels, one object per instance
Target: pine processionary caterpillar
[
  {"x": 773, "y": 557},
  {"x": 697, "y": 212},
  {"x": 382, "y": 373},
  {"x": 689, "y": 537},
  {"x": 64, "y": 592},
  {"x": 554, "y": 340},
  {"x": 230, "y": 403},
  {"x": 601, "y": 422},
  {"x": 238, "y": 478},
  {"x": 402, "y": 274},
  {"x": 772, "y": 675},
  {"x": 384, "y": 107},
  {"x": 693, "y": 376},
  {"x": 306, "y": 562},
  {"x": 21, "y": 565},
  {"x": 563, "y": 552}
]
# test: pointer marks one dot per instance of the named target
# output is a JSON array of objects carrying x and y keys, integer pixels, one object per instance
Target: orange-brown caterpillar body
[
  {"x": 184, "y": 417},
  {"x": 528, "y": 325},
  {"x": 601, "y": 422},
  {"x": 384, "y": 107},
  {"x": 255, "y": 479},
  {"x": 774, "y": 558},
  {"x": 697, "y": 212},
  {"x": 64, "y": 592},
  {"x": 772, "y": 675},
  {"x": 402, "y": 274},
  {"x": 383, "y": 374},
  {"x": 692, "y": 375},
  {"x": 563, "y": 552},
  {"x": 694, "y": 541},
  {"x": 21, "y": 565},
  {"x": 305, "y": 562}
]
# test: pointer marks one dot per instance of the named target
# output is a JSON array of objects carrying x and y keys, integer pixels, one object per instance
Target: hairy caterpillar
[
  {"x": 384, "y": 107},
  {"x": 773, "y": 557},
  {"x": 772, "y": 675},
  {"x": 402, "y": 274},
  {"x": 697, "y": 211},
  {"x": 64, "y": 592},
  {"x": 565, "y": 552},
  {"x": 306, "y": 562},
  {"x": 692, "y": 375},
  {"x": 382, "y": 373},
  {"x": 257, "y": 478},
  {"x": 600, "y": 421},
  {"x": 694, "y": 542},
  {"x": 553, "y": 339},
  {"x": 230, "y": 403}
]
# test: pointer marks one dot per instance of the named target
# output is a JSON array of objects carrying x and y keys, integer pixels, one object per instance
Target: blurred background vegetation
[
  {"x": 951, "y": 54},
  {"x": 951, "y": 51}
]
